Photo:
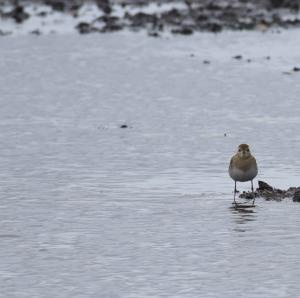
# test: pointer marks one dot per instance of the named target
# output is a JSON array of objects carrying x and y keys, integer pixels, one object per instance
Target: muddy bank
[
  {"x": 271, "y": 193},
  {"x": 183, "y": 17}
]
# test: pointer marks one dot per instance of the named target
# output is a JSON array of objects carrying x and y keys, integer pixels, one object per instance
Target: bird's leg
[
  {"x": 234, "y": 192},
  {"x": 253, "y": 195}
]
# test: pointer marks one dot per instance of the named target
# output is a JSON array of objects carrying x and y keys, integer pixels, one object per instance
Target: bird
[{"x": 243, "y": 167}]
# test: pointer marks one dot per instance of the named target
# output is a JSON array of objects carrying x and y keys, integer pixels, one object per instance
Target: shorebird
[{"x": 243, "y": 167}]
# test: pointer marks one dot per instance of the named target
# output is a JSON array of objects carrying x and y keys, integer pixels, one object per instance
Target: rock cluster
[
  {"x": 205, "y": 15},
  {"x": 212, "y": 16},
  {"x": 269, "y": 192}
]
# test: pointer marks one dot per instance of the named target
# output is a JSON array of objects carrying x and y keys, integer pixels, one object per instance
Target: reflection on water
[{"x": 243, "y": 213}]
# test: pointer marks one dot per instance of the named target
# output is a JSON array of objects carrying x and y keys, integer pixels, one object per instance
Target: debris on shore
[
  {"x": 271, "y": 193},
  {"x": 180, "y": 17}
]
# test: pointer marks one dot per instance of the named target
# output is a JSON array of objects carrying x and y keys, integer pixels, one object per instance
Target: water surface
[{"x": 89, "y": 209}]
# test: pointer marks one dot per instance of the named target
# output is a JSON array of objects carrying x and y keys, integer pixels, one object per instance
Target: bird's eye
[
  {"x": 240, "y": 150},
  {"x": 247, "y": 150}
]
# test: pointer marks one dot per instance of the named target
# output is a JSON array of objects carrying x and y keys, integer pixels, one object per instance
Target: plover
[{"x": 243, "y": 167}]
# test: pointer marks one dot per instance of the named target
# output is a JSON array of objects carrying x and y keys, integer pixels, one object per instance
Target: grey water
[{"x": 90, "y": 209}]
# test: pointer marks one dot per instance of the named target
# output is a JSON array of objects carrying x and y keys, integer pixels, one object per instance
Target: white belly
[{"x": 242, "y": 176}]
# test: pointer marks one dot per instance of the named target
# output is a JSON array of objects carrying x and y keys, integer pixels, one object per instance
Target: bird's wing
[{"x": 231, "y": 162}]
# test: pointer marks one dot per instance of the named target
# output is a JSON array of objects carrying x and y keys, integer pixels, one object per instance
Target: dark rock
[
  {"x": 238, "y": 57},
  {"x": 153, "y": 34},
  {"x": 141, "y": 19},
  {"x": 291, "y": 23},
  {"x": 296, "y": 197},
  {"x": 173, "y": 13},
  {"x": 293, "y": 5},
  {"x": 296, "y": 69},
  {"x": 269, "y": 193},
  {"x": 249, "y": 195},
  {"x": 245, "y": 24},
  {"x": 36, "y": 32},
  {"x": 277, "y": 3},
  {"x": 42, "y": 14},
  {"x": 183, "y": 30},
  {"x": 264, "y": 186},
  {"x": 213, "y": 6},
  {"x": 85, "y": 28},
  {"x": 214, "y": 27},
  {"x": 110, "y": 20},
  {"x": 56, "y": 5},
  {"x": 112, "y": 23},
  {"x": 189, "y": 3},
  {"x": 173, "y": 16},
  {"x": 76, "y": 6},
  {"x": 18, "y": 14},
  {"x": 124, "y": 126},
  {"x": 104, "y": 5},
  {"x": 229, "y": 16},
  {"x": 206, "y": 62},
  {"x": 202, "y": 17},
  {"x": 111, "y": 27}
]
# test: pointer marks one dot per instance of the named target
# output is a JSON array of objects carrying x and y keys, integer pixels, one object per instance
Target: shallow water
[{"x": 92, "y": 210}]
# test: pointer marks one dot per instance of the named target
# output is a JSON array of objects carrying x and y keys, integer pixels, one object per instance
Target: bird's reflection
[{"x": 243, "y": 213}]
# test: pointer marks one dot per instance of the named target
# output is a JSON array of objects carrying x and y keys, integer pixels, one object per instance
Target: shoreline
[{"x": 183, "y": 18}]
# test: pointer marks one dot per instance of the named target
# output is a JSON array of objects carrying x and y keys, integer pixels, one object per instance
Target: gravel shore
[{"x": 179, "y": 17}]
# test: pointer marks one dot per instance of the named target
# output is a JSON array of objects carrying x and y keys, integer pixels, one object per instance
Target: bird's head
[{"x": 244, "y": 151}]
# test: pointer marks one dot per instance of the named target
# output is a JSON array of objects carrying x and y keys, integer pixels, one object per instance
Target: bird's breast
[{"x": 243, "y": 175}]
